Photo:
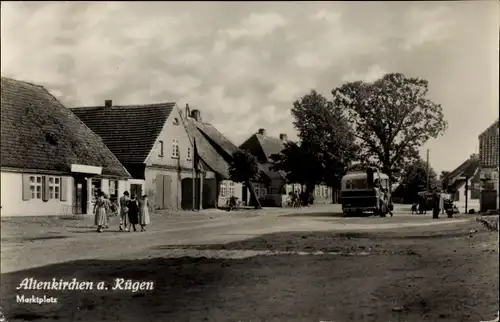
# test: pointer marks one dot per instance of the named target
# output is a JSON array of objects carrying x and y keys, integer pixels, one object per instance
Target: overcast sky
[{"x": 243, "y": 64}]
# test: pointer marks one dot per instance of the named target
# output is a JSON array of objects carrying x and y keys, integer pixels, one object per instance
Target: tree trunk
[
  {"x": 306, "y": 200},
  {"x": 253, "y": 195}
]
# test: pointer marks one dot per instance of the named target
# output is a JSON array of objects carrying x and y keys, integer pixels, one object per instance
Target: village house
[
  {"x": 274, "y": 191},
  {"x": 50, "y": 161},
  {"x": 153, "y": 144},
  {"x": 489, "y": 158},
  {"x": 215, "y": 152},
  {"x": 464, "y": 183}
]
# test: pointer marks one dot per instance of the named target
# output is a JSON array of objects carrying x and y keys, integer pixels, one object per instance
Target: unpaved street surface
[{"x": 311, "y": 265}]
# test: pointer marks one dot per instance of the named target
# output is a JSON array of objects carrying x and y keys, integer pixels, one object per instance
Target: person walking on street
[
  {"x": 133, "y": 212},
  {"x": 124, "y": 211},
  {"x": 144, "y": 212},
  {"x": 436, "y": 205},
  {"x": 101, "y": 218}
]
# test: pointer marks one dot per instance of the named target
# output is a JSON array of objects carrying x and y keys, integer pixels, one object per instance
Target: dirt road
[{"x": 313, "y": 267}]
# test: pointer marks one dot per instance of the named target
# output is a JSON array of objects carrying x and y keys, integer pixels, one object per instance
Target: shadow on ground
[
  {"x": 322, "y": 214},
  {"x": 279, "y": 288}
]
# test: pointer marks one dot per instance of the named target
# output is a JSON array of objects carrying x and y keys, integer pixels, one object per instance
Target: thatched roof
[
  {"x": 207, "y": 150},
  {"x": 468, "y": 168},
  {"x": 262, "y": 147},
  {"x": 38, "y": 132},
  {"x": 129, "y": 131}
]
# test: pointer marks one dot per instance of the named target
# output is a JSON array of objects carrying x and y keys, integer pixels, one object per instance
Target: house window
[
  {"x": 325, "y": 192},
  {"x": 161, "y": 149},
  {"x": 263, "y": 191},
  {"x": 36, "y": 187},
  {"x": 230, "y": 189},
  {"x": 223, "y": 190},
  {"x": 189, "y": 154},
  {"x": 54, "y": 188},
  {"x": 317, "y": 191},
  {"x": 96, "y": 187},
  {"x": 113, "y": 189},
  {"x": 175, "y": 148}
]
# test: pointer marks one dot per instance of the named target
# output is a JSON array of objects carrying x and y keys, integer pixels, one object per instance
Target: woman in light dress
[
  {"x": 144, "y": 212},
  {"x": 100, "y": 211}
]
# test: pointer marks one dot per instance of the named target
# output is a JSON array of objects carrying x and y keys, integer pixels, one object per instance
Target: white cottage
[{"x": 51, "y": 162}]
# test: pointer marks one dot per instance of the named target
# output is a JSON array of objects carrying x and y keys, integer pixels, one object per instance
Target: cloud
[
  {"x": 428, "y": 26},
  {"x": 327, "y": 16},
  {"x": 372, "y": 74},
  {"x": 242, "y": 64},
  {"x": 257, "y": 25}
]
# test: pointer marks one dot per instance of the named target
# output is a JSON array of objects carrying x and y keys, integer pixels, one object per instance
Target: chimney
[
  {"x": 108, "y": 103},
  {"x": 187, "y": 110},
  {"x": 283, "y": 137},
  {"x": 196, "y": 115},
  {"x": 262, "y": 131}
]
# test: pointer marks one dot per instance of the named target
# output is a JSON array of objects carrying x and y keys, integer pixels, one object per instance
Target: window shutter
[
  {"x": 26, "y": 187},
  {"x": 45, "y": 188},
  {"x": 63, "y": 190}
]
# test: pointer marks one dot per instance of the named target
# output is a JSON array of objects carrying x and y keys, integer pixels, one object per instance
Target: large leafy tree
[
  {"x": 444, "y": 179},
  {"x": 244, "y": 169},
  {"x": 392, "y": 118},
  {"x": 326, "y": 145},
  {"x": 414, "y": 180}
]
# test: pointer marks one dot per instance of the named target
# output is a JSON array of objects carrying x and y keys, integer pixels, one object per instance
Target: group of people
[{"x": 133, "y": 211}]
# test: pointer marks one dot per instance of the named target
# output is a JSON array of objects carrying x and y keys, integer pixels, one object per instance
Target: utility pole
[
  {"x": 466, "y": 192},
  {"x": 427, "y": 172}
]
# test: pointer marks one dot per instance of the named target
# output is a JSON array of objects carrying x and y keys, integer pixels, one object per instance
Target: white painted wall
[
  {"x": 13, "y": 204},
  {"x": 471, "y": 203}
]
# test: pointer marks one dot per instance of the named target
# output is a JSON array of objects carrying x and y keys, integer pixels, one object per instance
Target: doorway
[
  {"x": 80, "y": 196},
  {"x": 136, "y": 190}
]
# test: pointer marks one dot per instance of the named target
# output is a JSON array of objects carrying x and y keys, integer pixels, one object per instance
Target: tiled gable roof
[
  {"x": 129, "y": 131},
  {"x": 490, "y": 129},
  {"x": 38, "y": 132}
]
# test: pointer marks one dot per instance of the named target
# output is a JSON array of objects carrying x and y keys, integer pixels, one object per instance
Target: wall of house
[
  {"x": 169, "y": 155},
  {"x": 228, "y": 188},
  {"x": 16, "y": 201},
  {"x": 178, "y": 191},
  {"x": 473, "y": 197},
  {"x": 12, "y": 202}
]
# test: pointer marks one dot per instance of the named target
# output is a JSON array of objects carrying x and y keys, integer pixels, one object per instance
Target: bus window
[{"x": 359, "y": 184}]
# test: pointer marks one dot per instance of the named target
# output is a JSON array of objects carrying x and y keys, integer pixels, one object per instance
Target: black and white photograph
[{"x": 250, "y": 161}]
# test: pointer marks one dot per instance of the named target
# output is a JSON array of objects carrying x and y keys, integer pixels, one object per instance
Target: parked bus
[{"x": 366, "y": 192}]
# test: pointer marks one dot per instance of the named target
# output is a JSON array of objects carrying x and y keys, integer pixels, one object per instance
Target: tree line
[{"x": 381, "y": 123}]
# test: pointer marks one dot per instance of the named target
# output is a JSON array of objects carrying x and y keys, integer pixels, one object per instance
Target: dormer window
[{"x": 176, "y": 121}]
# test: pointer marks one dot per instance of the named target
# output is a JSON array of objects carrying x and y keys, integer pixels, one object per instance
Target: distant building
[
  {"x": 50, "y": 161},
  {"x": 273, "y": 189},
  {"x": 464, "y": 183},
  {"x": 489, "y": 159}
]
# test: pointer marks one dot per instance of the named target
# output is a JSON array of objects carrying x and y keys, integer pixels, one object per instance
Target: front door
[
  {"x": 80, "y": 196},
  {"x": 136, "y": 190}
]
